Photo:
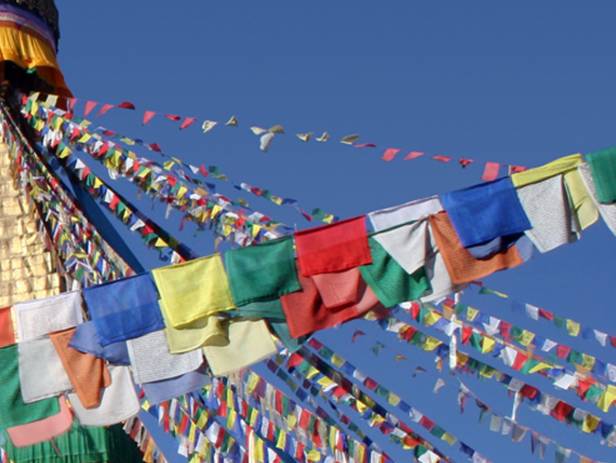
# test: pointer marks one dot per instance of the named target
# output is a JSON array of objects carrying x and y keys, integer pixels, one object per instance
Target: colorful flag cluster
[{"x": 537, "y": 400}]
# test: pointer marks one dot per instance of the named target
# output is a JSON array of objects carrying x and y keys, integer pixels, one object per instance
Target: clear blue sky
[{"x": 523, "y": 83}]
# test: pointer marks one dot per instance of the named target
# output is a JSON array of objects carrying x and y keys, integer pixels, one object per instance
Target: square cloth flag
[
  {"x": 43, "y": 430},
  {"x": 209, "y": 331},
  {"x": 193, "y": 290},
  {"x": 409, "y": 245},
  {"x": 41, "y": 372},
  {"x": 151, "y": 360},
  {"x": 7, "y": 334},
  {"x": 547, "y": 205},
  {"x": 306, "y": 310},
  {"x": 409, "y": 212},
  {"x": 88, "y": 374},
  {"x": 86, "y": 339},
  {"x": 118, "y": 403},
  {"x": 607, "y": 211},
  {"x": 460, "y": 263},
  {"x": 389, "y": 281},
  {"x": 13, "y": 410},
  {"x": 333, "y": 248},
  {"x": 124, "y": 309},
  {"x": 249, "y": 343},
  {"x": 34, "y": 319},
  {"x": 274, "y": 316},
  {"x": 264, "y": 271},
  {"x": 486, "y": 211},
  {"x": 603, "y": 168}
]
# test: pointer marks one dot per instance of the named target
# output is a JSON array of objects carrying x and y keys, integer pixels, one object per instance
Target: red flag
[
  {"x": 390, "y": 154},
  {"x": 126, "y": 105},
  {"x": 104, "y": 109},
  {"x": 148, "y": 116},
  {"x": 187, "y": 122},
  {"x": 520, "y": 360},
  {"x": 490, "y": 171},
  {"x": 89, "y": 106},
  {"x": 465, "y": 162},
  {"x": 155, "y": 147},
  {"x": 173, "y": 117},
  {"x": 413, "y": 155},
  {"x": 562, "y": 351},
  {"x": 71, "y": 104},
  {"x": 546, "y": 314},
  {"x": 516, "y": 169},
  {"x": 441, "y": 158}
]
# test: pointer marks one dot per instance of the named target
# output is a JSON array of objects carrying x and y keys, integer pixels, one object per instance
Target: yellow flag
[
  {"x": 471, "y": 313},
  {"x": 488, "y": 345},
  {"x": 573, "y": 327},
  {"x": 606, "y": 399},
  {"x": 559, "y": 166}
]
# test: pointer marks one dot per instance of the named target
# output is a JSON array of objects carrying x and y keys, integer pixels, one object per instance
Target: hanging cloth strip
[{"x": 88, "y": 375}]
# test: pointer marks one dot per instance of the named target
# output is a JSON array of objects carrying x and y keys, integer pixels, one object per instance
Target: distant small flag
[{"x": 413, "y": 155}]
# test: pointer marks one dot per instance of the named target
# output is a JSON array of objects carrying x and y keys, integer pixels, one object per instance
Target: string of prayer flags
[
  {"x": 506, "y": 426},
  {"x": 527, "y": 339},
  {"x": 538, "y": 313},
  {"x": 536, "y": 400},
  {"x": 212, "y": 171},
  {"x": 370, "y": 411},
  {"x": 266, "y": 136},
  {"x": 516, "y": 358},
  {"x": 371, "y": 384}
]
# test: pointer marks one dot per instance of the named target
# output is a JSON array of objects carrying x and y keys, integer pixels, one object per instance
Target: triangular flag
[
  {"x": 148, "y": 116},
  {"x": 104, "y": 109},
  {"x": 323, "y": 138},
  {"x": 126, "y": 105},
  {"x": 277, "y": 129},
  {"x": 266, "y": 141},
  {"x": 413, "y": 155},
  {"x": 441, "y": 158},
  {"x": 257, "y": 130},
  {"x": 232, "y": 122},
  {"x": 390, "y": 154},
  {"x": 187, "y": 122},
  {"x": 208, "y": 125},
  {"x": 173, "y": 117},
  {"x": 304, "y": 136},
  {"x": 89, "y": 106},
  {"x": 349, "y": 139}
]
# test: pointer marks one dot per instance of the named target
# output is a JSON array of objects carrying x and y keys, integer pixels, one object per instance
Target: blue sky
[{"x": 520, "y": 83}]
